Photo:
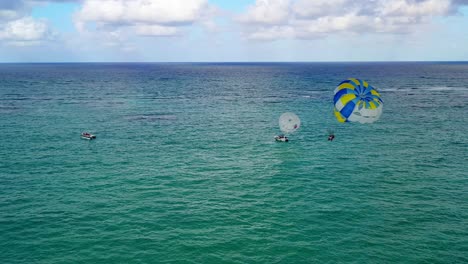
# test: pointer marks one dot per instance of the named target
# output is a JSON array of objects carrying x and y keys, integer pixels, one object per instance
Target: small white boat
[
  {"x": 86, "y": 135},
  {"x": 281, "y": 138}
]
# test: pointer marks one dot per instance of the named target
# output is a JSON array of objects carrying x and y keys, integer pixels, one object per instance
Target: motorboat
[
  {"x": 86, "y": 135},
  {"x": 281, "y": 138}
]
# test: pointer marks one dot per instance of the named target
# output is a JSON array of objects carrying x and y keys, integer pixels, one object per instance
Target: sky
[{"x": 233, "y": 30}]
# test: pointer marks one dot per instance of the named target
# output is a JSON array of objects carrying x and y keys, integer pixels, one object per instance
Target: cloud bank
[
  {"x": 18, "y": 28},
  {"x": 196, "y": 29},
  {"x": 279, "y": 19},
  {"x": 142, "y": 17},
  {"x": 25, "y": 31}
]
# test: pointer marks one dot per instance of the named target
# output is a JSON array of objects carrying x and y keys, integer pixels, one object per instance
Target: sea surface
[{"x": 185, "y": 168}]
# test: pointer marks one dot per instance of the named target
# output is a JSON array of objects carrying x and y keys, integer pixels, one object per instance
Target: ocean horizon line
[{"x": 231, "y": 62}]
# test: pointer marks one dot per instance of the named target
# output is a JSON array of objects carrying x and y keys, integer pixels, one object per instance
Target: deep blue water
[{"x": 185, "y": 169}]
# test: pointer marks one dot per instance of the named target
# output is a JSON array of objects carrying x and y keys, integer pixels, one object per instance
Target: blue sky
[{"x": 227, "y": 30}]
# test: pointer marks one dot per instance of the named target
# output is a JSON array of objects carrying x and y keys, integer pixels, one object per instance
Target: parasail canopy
[
  {"x": 356, "y": 101},
  {"x": 289, "y": 122}
]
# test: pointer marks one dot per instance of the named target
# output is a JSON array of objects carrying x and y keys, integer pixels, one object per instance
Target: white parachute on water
[{"x": 289, "y": 123}]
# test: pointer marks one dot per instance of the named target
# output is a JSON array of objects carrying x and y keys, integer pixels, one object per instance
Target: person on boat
[{"x": 281, "y": 138}]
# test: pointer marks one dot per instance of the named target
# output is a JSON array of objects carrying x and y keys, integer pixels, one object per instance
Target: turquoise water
[{"x": 185, "y": 169}]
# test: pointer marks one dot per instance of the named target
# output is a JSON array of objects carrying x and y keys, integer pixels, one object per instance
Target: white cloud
[
  {"x": 318, "y": 8},
  {"x": 268, "y": 12},
  {"x": 18, "y": 28},
  {"x": 143, "y": 11},
  {"x": 147, "y": 17},
  {"x": 25, "y": 31},
  {"x": 156, "y": 30},
  {"x": 278, "y": 19},
  {"x": 271, "y": 33},
  {"x": 406, "y": 8},
  {"x": 6, "y": 14}
]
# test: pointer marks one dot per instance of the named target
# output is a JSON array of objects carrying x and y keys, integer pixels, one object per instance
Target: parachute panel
[{"x": 357, "y": 101}]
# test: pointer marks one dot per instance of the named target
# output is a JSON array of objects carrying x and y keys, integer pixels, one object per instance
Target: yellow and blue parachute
[{"x": 356, "y": 101}]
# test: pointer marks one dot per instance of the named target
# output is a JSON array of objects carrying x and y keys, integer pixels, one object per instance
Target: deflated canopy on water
[
  {"x": 356, "y": 101},
  {"x": 289, "y": 122}
]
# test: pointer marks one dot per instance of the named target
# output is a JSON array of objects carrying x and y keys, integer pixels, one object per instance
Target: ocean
[{"x": 185, "y": 168}]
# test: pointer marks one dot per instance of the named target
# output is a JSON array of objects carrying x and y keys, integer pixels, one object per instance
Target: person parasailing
[{"x": 288, "y": 123}]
